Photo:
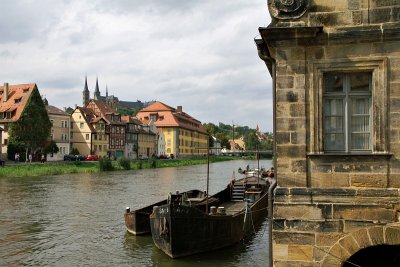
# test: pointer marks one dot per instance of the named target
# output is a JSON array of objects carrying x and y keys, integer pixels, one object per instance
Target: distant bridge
[{"x": 249, "y": 152}]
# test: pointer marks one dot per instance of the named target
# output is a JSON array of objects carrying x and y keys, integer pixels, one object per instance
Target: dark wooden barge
[
  {"x": 181, "y": 229},
  {"x": 137, "y": 222}
]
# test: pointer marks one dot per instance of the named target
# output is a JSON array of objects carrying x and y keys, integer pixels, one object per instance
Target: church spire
[
  {"x": 96, "y": 90},
  {"x": 85, "y": 93}
]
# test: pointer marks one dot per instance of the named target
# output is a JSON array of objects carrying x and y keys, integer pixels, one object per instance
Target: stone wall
[{"x": 330, "y": 205}]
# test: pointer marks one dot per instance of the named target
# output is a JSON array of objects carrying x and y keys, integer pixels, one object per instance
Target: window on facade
[
  {"x": 81, "y": 125},
  {"x": 51, "y": 122},
  {"x": 95, "y": 136},
  {"x": 87, "y": 136},
  {"x": 5, "y": 142},
  {"x": 347, "y": 112}
]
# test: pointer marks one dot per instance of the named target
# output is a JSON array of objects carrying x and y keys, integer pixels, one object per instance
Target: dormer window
[
  {"x": 25, "y": 90},
  {"x": 1, "y": 92},
  {"x": 17, "y": 100}
]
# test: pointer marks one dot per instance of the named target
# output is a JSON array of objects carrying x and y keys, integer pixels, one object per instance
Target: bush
[
  {"x": 74, "y": 151},
  {"x": 105, "y": 164},
  {"x": 153, "y": 163},
  {"x": 124, "y": 163},
  {"x": 139, "y": 165}
]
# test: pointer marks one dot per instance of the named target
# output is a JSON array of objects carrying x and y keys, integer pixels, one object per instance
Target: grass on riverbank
[{"x": 55, "y": 168}]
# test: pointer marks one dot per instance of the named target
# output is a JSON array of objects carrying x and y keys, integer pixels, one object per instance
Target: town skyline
[{"x": 197, "y": 55}]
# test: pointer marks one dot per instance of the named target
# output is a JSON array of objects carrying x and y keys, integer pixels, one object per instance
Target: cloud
[{"x": 197, "y": 54}]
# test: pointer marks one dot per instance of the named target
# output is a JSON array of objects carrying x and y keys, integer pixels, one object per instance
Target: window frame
[
  {"x": 378, "y": 67},
  {"x": 347, "y": 96}
]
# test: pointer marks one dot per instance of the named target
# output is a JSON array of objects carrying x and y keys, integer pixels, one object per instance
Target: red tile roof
[
  {"x": 130, "y": 119},
  {"x": 167, "y": 116},
  {"x": 18, "y": 96}
]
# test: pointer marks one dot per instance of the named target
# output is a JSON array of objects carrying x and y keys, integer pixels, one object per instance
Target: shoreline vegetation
[{"x": 64, "y": 167}]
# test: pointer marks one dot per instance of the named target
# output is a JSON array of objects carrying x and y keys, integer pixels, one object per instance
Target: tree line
[{"x": 225, "y": 132}]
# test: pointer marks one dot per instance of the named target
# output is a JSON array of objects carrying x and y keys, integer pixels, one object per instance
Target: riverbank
[{"x": 65, "y": 167}]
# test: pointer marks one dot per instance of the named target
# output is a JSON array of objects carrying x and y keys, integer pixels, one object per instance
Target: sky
[{"x": 198, "y": 54}]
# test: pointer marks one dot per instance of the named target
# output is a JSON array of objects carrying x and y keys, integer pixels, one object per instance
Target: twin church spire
[{"x": 96, "y": 94}]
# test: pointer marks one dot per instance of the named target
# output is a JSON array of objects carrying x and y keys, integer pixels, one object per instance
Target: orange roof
[
  {"x": 157, "y": 106},
  {"x": 130, "y": 119},
  {"x": 18, "y": 96},
  {"x": 167, "y": 116}
]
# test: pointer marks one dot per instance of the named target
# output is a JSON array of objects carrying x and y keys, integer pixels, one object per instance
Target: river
[{"x": 77, "y": 219}]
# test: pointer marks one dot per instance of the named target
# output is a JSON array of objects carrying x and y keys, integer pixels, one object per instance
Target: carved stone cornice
[{"x": 288, "y": 9}]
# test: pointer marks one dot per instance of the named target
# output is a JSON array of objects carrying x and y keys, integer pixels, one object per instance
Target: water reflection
[{"x": 77, "y": 219}]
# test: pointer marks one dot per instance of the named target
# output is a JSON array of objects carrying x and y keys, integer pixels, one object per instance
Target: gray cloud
[{"x": 198, "y": 54}]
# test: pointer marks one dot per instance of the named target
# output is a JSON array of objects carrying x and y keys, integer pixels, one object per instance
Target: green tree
[
  {"x": 224, "y": 140},
  {"x": 74, "y": 151},
  {"x": 251, "y": 140},
  {"x": 33, "y": 126},
  {"x": 51, "y": 148}
]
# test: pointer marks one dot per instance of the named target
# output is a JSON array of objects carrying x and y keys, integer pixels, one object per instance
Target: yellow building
[
  {"x": 146, "y": 141},
  {"x": 88, "y": 133},
  {"x": 100, "y": 137},
  {"x": 184, "y": 135},
  {"x": 81, "y": 132},
  {"x": 60, "y": 132}
]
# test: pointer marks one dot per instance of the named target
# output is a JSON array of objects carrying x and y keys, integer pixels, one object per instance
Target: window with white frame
[{"x": 347, "y": 112}]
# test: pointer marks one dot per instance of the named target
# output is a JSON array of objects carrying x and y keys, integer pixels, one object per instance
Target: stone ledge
[{"x": 351, "y": 192}]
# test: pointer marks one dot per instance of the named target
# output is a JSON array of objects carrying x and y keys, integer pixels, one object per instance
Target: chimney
[
  {"x": 5, "y": 93},
  {"x": 179, "y": 109}
]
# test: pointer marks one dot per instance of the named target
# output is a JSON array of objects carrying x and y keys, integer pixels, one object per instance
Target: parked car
[
  {"x": 92, "y": 157},
  {"x": 74, "y": 157},
  {"x": 69, "y": 157},
  {"x": 80, "y": 157}
]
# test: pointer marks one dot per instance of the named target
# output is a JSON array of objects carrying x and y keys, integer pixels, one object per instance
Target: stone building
[
  {"x": 336, "y": 87},
  {"x": 59, "y": 132}
]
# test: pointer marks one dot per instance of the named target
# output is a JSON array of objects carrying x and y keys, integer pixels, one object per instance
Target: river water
[{"x": 77, "y": 219}]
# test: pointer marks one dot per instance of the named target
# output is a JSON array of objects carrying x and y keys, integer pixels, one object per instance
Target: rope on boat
[{"x": 248, "y": 211}]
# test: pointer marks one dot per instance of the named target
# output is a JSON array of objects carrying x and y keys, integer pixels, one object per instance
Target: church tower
[
  {"x": 96, "y": 95},
  {"x": 85, "y": 93}
]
